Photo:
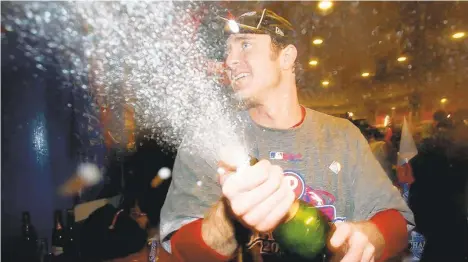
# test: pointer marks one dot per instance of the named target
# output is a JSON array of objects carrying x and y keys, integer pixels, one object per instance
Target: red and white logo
[{"x": 296, "y": 182}]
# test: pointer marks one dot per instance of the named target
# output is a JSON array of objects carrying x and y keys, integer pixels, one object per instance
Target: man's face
[{"x": 253, "y": 68}]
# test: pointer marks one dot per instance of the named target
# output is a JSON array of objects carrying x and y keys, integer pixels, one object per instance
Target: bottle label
[{"x": 57, "y": 251}]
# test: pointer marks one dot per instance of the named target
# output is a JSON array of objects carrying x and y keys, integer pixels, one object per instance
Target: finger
[
  {"x": 255, "y": 175},
  {"x": 224, "y": 171},
  {"x": 226, "y": 167},
  {"x": 357, "y": 243},
  {"x": 341, "y": 234},
  {"x": 248, "y": 200},
  {"x": 246, "y": 179},
  {"x": 368, "y": 254},
  {"x": 277, "y": 215},
  {"x": 223, "y": 175},
  {"x": 263, "y": 209}
]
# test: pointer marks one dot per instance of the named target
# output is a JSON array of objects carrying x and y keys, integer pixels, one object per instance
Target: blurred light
[
  {"x": 393, "y": 108},
  {"x": 458, "y": 35},
  {"x": 325, "y": 5},
  {"x": 449, "y": 115},
  {"x": 443, "y": 100},
  {"x": 365, "y": 74},
  {"x": 233, "y": 26},
  {"x": 401, "y": 59},
  {"x": 309, "y": 220},
  {"x": 313, "y": 62},
  {"x": 350, "y": 114},
  {"x": 317, "y": 41},
  {"x": 386, "y": 120},
  {"x": 325, "y": 83}
]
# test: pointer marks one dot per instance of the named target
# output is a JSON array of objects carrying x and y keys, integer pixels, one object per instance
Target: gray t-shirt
[{"x": 327, "y": 160}]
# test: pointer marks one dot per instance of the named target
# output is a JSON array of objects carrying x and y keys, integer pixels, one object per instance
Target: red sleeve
[
  {"x": 187, "y": 244},
  {"x": 392, "y": 226}
]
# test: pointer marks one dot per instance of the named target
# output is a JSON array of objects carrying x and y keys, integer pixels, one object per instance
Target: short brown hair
[{"x": 277, "y": 46}]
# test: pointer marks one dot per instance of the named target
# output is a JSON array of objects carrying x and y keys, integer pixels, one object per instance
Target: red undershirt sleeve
[
  {"x": 392, "y": 226},
  {"x": 187, "y": 244}
]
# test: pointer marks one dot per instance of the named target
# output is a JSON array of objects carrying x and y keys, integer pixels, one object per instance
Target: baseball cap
[{"x": 261, "y": 22}]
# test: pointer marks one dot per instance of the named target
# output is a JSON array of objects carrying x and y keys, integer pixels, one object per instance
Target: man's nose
[{"x": 232, "y": 61}]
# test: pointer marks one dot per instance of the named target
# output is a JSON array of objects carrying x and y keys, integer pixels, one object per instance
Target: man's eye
[{"x": 245, "y": 45}]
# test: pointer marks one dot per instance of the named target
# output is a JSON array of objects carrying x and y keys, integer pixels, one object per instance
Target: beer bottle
[
  {"x": 42, "y": 249},
  {"x": 28, "y": 248},
  {"x": 58, "y": 235},
  {"x": 71, "y": 250}
]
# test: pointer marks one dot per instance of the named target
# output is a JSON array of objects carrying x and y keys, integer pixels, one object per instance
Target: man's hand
[
  {"x": 357, "y": 242},
  {"x": 259, "y": 195}
]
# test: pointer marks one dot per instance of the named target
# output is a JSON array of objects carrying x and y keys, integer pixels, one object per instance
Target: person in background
[
  {"x": 384, "y": 153},
  {"x": 109, "y": 235},
  {"x": 129, "y": 232},
  {"x": 142, "y": 199},
  {"x": 441, "y": 124},
  {"x": 440, "y": 171},
  {"x": 382, "y": 149}
]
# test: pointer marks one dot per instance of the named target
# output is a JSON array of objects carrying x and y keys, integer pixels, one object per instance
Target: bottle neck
[
  {"x": 26, "y": 219},
  {"x": 70, "y": 222},
  {"x": 58, "y": 223},
  {"x": 292, "y": 211},
  {"x": 58, "y": 219},
  {"x": 70, "y": 218}
]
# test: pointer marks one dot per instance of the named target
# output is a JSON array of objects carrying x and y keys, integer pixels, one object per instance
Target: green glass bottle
[{"x": 305, "y": 232}]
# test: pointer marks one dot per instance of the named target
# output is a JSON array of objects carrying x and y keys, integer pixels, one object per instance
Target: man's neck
[{"x": 278, "y": 111}]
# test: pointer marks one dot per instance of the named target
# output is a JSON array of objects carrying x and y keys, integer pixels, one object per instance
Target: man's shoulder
[{"x": 330, "y": 122}]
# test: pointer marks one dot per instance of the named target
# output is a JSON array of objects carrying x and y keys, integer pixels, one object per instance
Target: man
[{"x": 306, "y": 154}]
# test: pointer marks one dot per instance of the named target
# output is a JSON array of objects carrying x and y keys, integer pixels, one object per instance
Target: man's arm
[
  {"x": 391, "y": 228},
  {"x": 218, "y": 231},
  {"x": 204, "y": 240},
  {"x": 194, "y": 226},
  {"x": 188, "y": 245},
  {"x": 378, "y": 202}
]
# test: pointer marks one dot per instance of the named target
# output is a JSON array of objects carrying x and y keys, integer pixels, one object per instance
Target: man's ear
[{"x": 288, "y": 57}]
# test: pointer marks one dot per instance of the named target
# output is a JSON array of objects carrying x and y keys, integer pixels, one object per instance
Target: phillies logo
[
  {"x": 321, "y": 199},
  {"x": 296, "y": 182},
  {"x": 318, "y": 197}
]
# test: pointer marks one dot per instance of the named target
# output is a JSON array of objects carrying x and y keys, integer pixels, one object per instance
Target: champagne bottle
[
  {"x": 58, "y": 235},
  {"x": 305, "y": 230},
  {"x": 28, "y": 238},
  {"x": 42, "y": 249},
  {"x": 71, "y": 249}
]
